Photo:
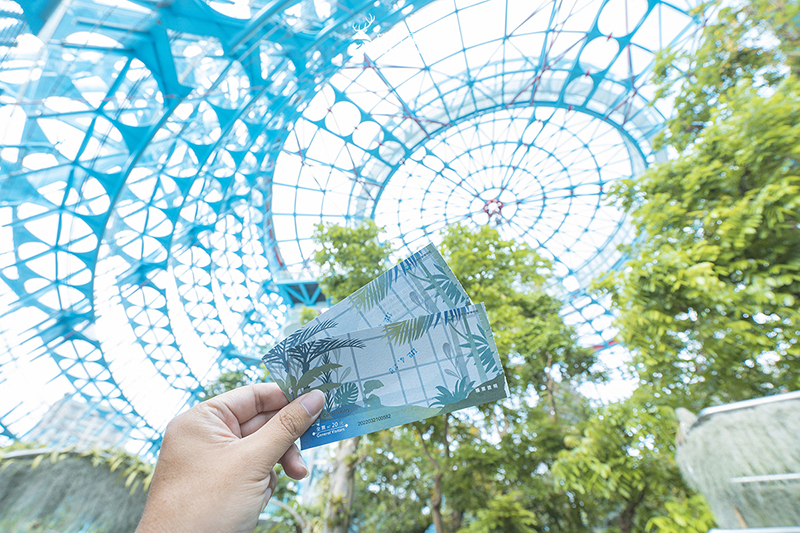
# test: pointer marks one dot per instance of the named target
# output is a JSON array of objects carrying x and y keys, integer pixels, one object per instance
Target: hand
[{"x": 215, "y": 469}]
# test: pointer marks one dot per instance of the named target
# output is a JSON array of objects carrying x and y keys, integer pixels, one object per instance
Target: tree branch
[
  {"x": 428, "y": 453},
  {"x": 299, "y": 523}
]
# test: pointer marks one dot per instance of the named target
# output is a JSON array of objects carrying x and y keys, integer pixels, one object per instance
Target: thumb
[{"x": 278, "y": 435}]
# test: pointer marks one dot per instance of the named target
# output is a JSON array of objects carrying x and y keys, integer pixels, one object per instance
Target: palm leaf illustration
[
  {"x": 303, "y": 334},
  {"x": 372, "y": 293},
  {"x": 410, "y": 263},
  {"x": 485, "y": 353},
  {"x": 449, "y": 286},
  {"x": 307, "y": 353},
  {"x": 277, "y": 356},
  {"x": 409, "y": 330},
  {"x": 461, "y": 392}
]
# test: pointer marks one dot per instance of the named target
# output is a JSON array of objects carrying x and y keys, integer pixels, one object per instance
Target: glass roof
[{"x": 162, "y": 166}]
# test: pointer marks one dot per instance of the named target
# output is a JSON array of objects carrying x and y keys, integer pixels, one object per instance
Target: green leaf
[
  {"x": 313, "y": 374},
  {"x": 346, "y": 394},
  {"x": 399, "y": 333},
  {"x": 371, "y": 294},
  {"x": 326, "y": 387},
  {"x": 371, "y": 385}
]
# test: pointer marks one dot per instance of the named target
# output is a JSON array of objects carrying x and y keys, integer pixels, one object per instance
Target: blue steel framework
[{"x": 162, "y": 164}]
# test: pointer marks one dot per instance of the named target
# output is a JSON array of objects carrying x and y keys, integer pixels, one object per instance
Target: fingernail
[
  {"x": 303, "y": 461},
  {"x": 268, "y": 496},
  {"x": 313, "y": 402}
]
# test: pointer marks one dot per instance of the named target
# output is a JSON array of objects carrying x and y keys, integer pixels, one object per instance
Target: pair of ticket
[{"x": 407, "y": 346}]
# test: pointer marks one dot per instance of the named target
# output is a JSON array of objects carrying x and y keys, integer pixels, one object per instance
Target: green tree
[
  {"x": 349, "y": 258},
  {"x": 491, "y": 465},
  {"x": 624, "y": 460},
  {"x": 685, "y": 515},
  {"x": 710, "y": 301},
  {"x": 504, "y": 514},
  {"x": 227, "y": 381},
  {"x": 748, "y": 43},
  {"x": 307, "y": 314}
]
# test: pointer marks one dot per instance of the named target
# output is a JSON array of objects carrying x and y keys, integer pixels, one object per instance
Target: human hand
[{"x": 215, "y": 469}]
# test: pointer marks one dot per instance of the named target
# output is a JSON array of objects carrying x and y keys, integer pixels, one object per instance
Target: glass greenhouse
[{"x": 163, "y": 164}]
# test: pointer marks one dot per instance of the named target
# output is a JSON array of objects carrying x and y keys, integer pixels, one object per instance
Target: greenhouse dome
[{"x": 163, "y": 164}]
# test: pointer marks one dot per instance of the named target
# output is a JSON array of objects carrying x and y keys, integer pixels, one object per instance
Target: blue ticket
[{"x": 378, "y": 372}]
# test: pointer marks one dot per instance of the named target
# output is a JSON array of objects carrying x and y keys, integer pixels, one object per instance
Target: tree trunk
[
  {"x": 458, "y": 519},
  {"x": 436, "y": 503},
  {"x": 436, "y": 497},
  {"x": 342, "y": 483},
  {"x": 628, "y": 513},
  {"x": 551, "y": 389}
]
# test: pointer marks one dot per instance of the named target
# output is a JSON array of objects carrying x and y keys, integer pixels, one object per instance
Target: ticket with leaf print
[{"x": 377, "y": 372}]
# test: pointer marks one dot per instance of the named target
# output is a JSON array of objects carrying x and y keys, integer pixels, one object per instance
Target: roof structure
[{"x": 162, "y": 165}]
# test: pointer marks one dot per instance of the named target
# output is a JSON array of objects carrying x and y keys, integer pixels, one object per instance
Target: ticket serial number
[{"x": 372, "y": 420}]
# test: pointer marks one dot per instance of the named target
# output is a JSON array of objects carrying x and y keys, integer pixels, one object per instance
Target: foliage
[
  {"x": 390, "y": 491},
  {"x": 492, "y": 469},
  {"x": 509, "y": 278},
  {"x": 462, "y": 468},
  {"x": 307, "y": 314},
  {"x": 227, "y": 381},
  {"x": 350, "y": 257},
  {"x": 66, "y": 489},
  {"x": 624, "y": 459},
  {"x": 710, "y": 303},
  {"x": 686, "y": 515},
  {"x": 505, "y": 513},
  {"x": 131, "y": 471},
  {"x": 751, "y": 43}
]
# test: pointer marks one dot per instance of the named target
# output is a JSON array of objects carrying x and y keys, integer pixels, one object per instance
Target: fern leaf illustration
[
  {"x": 485, "y": 353},
  {"x": 409, "y": 330},
  {"x": 371, "y": 294}
]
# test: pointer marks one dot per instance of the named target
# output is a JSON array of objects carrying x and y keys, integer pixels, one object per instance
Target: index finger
[{"x": 247, "y": 402}]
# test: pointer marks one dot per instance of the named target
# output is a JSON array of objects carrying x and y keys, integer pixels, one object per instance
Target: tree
[
  {"x": 350, "y": 257},
  {"x": 625, "y": 460},
  {"x": 471, "y": 469},
  {"x": 710, "y": 301},
  {"x": 227, "y": 381},
  {"x": 517, "y": 465},
  {"x": 535, "y": 345},
  {"x": 750, "y": 43}
]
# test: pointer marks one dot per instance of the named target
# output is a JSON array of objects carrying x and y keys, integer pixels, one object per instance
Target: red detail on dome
[{"x": 493, "y": 207}]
